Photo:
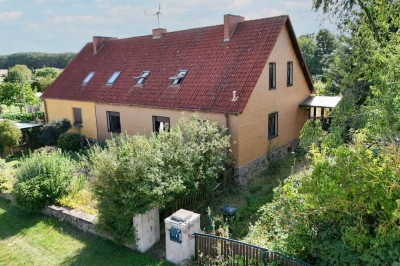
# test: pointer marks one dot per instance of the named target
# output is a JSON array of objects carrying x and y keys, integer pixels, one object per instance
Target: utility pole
[{"x": 23, "y": 92}]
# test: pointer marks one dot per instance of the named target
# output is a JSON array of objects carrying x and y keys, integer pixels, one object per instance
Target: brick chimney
[
  {"x": 157, "y": 33},
  {"x": 230, "y": 24},
  {"x": 98, "y": 42}
]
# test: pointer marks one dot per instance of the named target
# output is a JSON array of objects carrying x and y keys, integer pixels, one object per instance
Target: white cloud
[
  {"x": 48, "y": 11},
  {"x": 88, "y": 19},
  {"x": 241, "y": 3},
  {"x": 12, "y": 15}
]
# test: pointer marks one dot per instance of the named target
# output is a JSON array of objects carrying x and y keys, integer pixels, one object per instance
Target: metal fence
[{"x": 214, "y": 250}]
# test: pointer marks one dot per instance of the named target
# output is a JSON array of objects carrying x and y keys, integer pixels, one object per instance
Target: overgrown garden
[{"x": 343, "y": 208}]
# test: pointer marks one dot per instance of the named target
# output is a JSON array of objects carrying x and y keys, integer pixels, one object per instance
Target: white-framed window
[
  {"x": 88, "y": 78},
  {"x": 178, "y": 79},
  {"x": 113, "y": 77},
  {"x": 142, "y": 78}
]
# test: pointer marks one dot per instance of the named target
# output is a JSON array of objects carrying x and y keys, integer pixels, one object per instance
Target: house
[{"x": 248, "y": 76}]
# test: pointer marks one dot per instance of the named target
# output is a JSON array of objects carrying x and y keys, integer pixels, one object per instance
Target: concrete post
[
  {"x": 179, "y": 230},
  {"x": 147, "y": 228}
]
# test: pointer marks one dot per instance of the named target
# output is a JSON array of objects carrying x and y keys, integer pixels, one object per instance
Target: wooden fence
[
  {"x": 214, "y": 250},
  {"x": 193, "y": 202}
]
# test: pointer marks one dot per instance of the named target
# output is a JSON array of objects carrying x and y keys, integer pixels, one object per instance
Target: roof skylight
[
  {"x": 142, "y": 78},
  {"x": 179, "y": 78},
  {"x": 113, "y": 78},
  {"x": 88, "y": 78}
]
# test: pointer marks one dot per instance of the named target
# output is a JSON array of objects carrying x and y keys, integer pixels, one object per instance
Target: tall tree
[
  {"x": 44, "y": 77},
  {"x": 19, "y": 74}
]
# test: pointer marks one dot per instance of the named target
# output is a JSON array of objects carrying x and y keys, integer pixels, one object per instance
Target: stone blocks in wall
[{"x": 257, "y": 166}]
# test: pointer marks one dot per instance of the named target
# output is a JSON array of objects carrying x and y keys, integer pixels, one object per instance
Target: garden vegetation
[
  {"x": 133, "y": 174},
  {"x": 43, "y": 178}
]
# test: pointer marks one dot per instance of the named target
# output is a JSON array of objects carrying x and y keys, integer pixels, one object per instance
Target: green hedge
[
  {"x": 70, "y": 142},
  {"x": 23, "y": 117}
]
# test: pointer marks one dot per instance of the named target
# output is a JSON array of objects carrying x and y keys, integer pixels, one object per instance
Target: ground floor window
[
  {"x": 77, "y": 116},
  {"x": 113, "y": 122},
  {"x": 161, "y": 123},
  {"x": 272, "y": 125}
]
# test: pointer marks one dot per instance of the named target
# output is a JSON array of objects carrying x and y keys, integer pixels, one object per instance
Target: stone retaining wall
[{"x": 255, "y": 167}]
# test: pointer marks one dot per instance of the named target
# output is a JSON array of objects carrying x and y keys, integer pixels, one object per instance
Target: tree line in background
[{"x": 36, "y": 60}]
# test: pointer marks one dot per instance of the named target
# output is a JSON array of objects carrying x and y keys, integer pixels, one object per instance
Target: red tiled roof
[{"x": 216, "y": 68}]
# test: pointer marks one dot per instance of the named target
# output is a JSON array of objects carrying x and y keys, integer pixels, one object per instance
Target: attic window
[
  {"x": 179, "y": 77},
  {"x": 88, "y": 78},
  {"x": 113, "y": 78},
  {"x": 142, "y": 78}
]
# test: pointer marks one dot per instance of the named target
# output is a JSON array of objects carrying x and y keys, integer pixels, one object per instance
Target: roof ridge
[{"x": 204, "y": 27}]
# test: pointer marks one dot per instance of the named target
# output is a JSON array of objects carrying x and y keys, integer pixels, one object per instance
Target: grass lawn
[{"x": 34, "y": 239}]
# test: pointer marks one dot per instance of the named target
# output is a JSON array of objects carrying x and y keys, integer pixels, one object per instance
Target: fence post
[
  {"x": 147, "y": 226},
  {"x": 180, "y": 228}
]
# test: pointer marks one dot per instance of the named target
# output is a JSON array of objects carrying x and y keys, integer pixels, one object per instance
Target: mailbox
[{"x": 175, "y": 234}]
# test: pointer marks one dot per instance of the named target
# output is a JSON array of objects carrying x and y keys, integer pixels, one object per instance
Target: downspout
[
  {"x": 46, "y": 117},
  {"x": 228, "y": 131}
]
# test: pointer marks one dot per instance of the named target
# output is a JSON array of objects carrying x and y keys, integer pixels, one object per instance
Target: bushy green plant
[
  {"x": 10, "y": 135},
  {"x": 51, "y": 132},
  {"x": 344, "y": 212},
  {"x": 42, "y": 179},
  {"x": 132, "y": 174},
  {"x": 70, "y": 142}
]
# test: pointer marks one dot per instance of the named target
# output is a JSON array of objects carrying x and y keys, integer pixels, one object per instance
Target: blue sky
[{"x": 66, "y": 25}]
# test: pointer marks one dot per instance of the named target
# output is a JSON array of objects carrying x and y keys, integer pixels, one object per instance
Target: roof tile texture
[{"x": 216, "y": 68}]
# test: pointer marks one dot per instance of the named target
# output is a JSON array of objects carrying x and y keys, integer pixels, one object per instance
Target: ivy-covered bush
[
  {"x": 51, "y": 132},
  {"x": 24, "y": 117},
  {"x": 346, "y": 211},
  {"x": 70, "y": 142},
  {"x": 42, "y": 179},
  {"x": 132, "y": 174}
]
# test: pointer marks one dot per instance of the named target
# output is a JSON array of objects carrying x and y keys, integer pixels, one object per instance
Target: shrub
[
  {"x": 132, "y": 174},
  {"x": 343, "y": 212},
  {"x": 70, "y": 142},
  {"x": 10, "y": 135},
  {"x": 42, "y": 179},
  {"x": 51, "y": 132}
]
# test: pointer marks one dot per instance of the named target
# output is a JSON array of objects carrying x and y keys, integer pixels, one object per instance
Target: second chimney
[
  {"x": 230, "y": 24},
  {"x": 157, "y": 33},
  {"x": 98, "y": 42}
]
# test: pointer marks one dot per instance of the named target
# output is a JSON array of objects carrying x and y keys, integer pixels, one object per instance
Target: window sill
[
  {"x": 272, "y": 137},
  {"x": 289, "y": 85},
  {"x": 272, "y": 88}
]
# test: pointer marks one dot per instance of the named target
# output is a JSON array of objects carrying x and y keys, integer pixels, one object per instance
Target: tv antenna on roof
[{"x": 158, "y": 14}]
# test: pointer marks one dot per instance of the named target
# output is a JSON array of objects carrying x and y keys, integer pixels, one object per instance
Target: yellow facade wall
[
  {"x": 139, "y": 120},
  {"x": 252, "y": 125},
  {"x": 59, "y": 109}
]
